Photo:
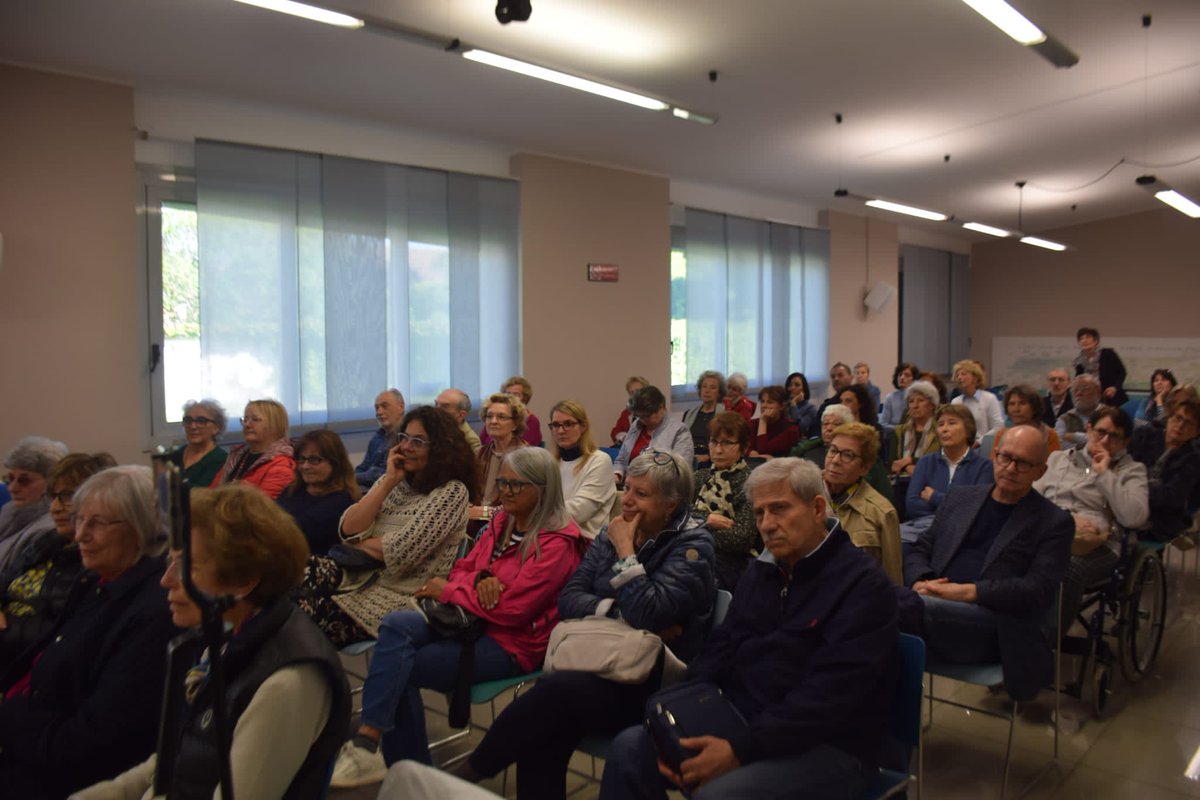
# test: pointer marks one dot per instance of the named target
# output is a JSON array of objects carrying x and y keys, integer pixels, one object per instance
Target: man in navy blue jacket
[{"x": 806, "y": 653}]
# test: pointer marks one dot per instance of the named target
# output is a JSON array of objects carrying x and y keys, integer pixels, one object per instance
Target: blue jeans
[
  {"x": 822, "y": 773},
  {"x": 963, "y": 633},
  {"x": 409, "y": 657}
]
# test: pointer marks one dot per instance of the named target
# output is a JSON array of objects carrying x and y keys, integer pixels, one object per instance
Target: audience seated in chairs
[
  {"x": 403, "y": 532},
  {"x": 710, "y": 386},
  {"x": 867, "y": 517},
  {"x": 1058, "y": 396},
  {"x": 34, "y": 589},
  {"x": 504, "y": 418},
  {"x": 201, "y": 459},
  {"x": 389, "y": 412},
  {"x": 807, "y": 654},
  {"x": 1154, "y": 410},
  {"x": 720, "y": 502},
  {"x": 586, "y": 471},
  {"x": 521, "y": 389},
  {"x": 989, "y": 417},
  {"x": 986, "y": 573},
  {"x": 802, "y": 412},
  {"x": 736, "y": 387},
  {"x": 858, "y": 400},
  {"x": 632, "y": 384},
  {"x": 652, "y": 427},
  {"x": 1101, "y": 486},
  {"x": 917, "y": 435},
  {"x": 840, "y": 377},
  {"x": 511, "y": 580},
  {"x": 776, "y": 433},
  {"x": 82, "y": 704},
  {"x": 1025, "y": 407},
  {"x": 26, "y": 516},
  {"x": 895, "y": 405},
  {"x": 324, "y": 487},
  {"x": 656, "y": 567},
  {"x": 1174, "y": 477},
  {"x": 457, "y": 404},
  {"x": 814, "y": 449},
  {"x": 862, "y": 377},
  {"x": 956, "y": 464},
  {"x": 1071, "y": 426},
  {"x": 1104, "y": 364},
  {"x": 284, "y": 683},
  {"x": 265, "y": 460}
]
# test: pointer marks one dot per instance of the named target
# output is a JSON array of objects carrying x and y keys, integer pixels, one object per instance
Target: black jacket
[
  {"x": 50, "y": 551},
  {"x": 1112, "y": 374}
]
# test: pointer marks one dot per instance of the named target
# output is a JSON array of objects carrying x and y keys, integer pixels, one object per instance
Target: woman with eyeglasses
[
  {"x": 586, "y": 471},
  {"x": 867, "y": 517},
  {"x": 324, "y": 487},
  {"x": 287, "y": 700},
  {"x": 266, "y": 459},
  {"x": 1154, "y": 410},
  {"x": 201, "y": 459},
  {"x": 402, "y": 532},
  {"x": 35, "y": 587},
  {"x": 25, "y": 515},
  {"x": 654, "y": 566},
  {"x": 720, "y": 501},
  {"x": 82, "y": 704},
  {"x": 511, "y": 580},
  {"x": 504, "y": 418},
  {"x": 652, "y": 427}
]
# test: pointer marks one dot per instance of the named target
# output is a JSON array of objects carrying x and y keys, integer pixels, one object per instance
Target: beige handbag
[{"x": 604, "y": 646}]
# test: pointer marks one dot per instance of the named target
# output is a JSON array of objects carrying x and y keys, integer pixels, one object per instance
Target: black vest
[{"x": 280, "y": 635}]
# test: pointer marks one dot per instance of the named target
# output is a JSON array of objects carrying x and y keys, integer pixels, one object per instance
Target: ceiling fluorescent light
[
  {"x": 693, "y": 116},
  {"x": 1009, "y": 20},
  {"x": 1179, "y": 202},
  {"x": 308, "y": 12},
  {"x": 563, "y": 79},
  {"x": 1043, "y": 243},
  {"x": 979, "y": 227},
  {"x": 903, "y": 209}
]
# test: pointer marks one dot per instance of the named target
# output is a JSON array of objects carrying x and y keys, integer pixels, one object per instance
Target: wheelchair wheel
[{"x": 1143, "y": 614}]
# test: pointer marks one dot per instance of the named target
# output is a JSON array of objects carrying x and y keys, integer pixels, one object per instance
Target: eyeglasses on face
[
  {"x": 62, "y": 497},
  {"x": 313, "y": 460},
  {"x": 1108, "y": 433},
  {"x": 414, "y": 441},
  {"x": 844, "y": 456},
  {"x": 251, "y": 420},
  {"x": 511, "y": 486},
  {"x": 24, "y": 479},
  {"x": 721, "y": 444},
  {"x": 569, "y": 425},
  {"x": 1004, "y": 459},
  {"x": 199, "y": 420}
]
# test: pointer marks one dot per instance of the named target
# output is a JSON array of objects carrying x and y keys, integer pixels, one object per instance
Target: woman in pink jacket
[
  {"x": 266, "y": 459},
  {"x": 511, "y": 579}
]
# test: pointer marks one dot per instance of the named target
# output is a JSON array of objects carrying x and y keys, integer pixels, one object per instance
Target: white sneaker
[{"x": 357, "y": 766}]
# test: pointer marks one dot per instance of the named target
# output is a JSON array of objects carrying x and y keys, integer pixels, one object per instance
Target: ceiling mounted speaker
[{"x": 880, "y": 295}]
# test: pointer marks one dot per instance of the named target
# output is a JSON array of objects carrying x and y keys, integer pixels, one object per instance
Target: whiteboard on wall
[{"x": 1027, "y": 359}]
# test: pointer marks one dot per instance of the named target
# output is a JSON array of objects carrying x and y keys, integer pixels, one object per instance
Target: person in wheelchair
[{"x": 1102, "y": 487}]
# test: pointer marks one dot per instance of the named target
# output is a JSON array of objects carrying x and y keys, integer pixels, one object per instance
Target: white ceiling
[{"x": 916, "y": 80}]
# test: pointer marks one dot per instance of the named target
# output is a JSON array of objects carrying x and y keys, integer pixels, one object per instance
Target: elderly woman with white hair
[
  {"x": 27, "y": 514},
  {"x": 653, "y": 566},
  {"x": 201, "y": 458},
  {"x": 710, "y": 386},
  {"x": 917, "y": 435},
  {"x": 82, "y": 705},
  {"x": 511, "y": 580},
  {"x": 736, "y": 386}
]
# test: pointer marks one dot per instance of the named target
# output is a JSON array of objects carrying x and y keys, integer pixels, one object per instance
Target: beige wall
[
  {"x": 580, "y": 339},
  {"x": 862, "y": 252},
  {"x": 1127, "y": 276},
  {"x": 70, "y": 308}
]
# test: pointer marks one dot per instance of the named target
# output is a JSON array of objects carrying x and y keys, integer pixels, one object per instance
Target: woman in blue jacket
[{"x": 658, "y": 571}]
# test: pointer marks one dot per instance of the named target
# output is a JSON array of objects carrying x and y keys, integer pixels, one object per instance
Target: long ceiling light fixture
[
  {"x": 990, "y": 230},
  {"x": 912, "y": 211},
  {"x": 1018, "y": 27},
  {"x": 563, "y": 79},
  {"x": 314, "y": 13},
  {"x": 1175, "y": 199}
]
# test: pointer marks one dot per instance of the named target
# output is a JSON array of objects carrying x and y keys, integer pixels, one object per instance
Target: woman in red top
[
  {"x": 735, "y": 396},
  {"x": 619, "y": 430},
  {"x": 777, "y": 434},
  {"x": 266, "y": 459},
  {"x": 511, "y": 579}
]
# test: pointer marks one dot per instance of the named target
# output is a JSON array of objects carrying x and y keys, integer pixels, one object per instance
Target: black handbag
[
  {"x": 690, "y": 709},
  {"x": 351, "y": 558}
]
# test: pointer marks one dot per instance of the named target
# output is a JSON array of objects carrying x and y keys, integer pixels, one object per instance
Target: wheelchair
[{"x": 1123, "y": 616}]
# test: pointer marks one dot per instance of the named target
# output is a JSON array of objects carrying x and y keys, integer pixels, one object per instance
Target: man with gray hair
[
  {"x": 806, "y": 654},
  {"x": 389, "y": 411},
  {"x": 457, "y": 404},
  {"x": 1072, "y": 424}
]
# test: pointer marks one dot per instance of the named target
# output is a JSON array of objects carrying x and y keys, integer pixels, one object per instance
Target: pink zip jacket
[{"x": 528, "y": 606}]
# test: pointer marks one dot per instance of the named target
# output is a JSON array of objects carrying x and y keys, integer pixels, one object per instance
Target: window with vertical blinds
[
  {"x": 747, "y": 296},
  {"x": 322, "y": 280}
]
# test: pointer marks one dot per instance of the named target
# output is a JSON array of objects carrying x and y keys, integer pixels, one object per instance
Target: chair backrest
[
  {"x": 985, "y": 445},
  {"x": 721, "y": 606},
  {"x": 904, "y": 721}
]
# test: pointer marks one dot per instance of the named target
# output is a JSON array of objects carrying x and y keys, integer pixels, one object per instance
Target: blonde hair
[
  {"x": 515, "y": 407},
  {"x": 274, "y": 414},
  {"x": 867, "y": 436},
  {"x": 526, "y": 387},
  {"x": 575, "y": 410},
  {"x": 973, "y": 368}
]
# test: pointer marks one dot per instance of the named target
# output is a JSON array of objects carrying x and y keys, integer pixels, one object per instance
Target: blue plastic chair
[{"x": 904, "y": 724}]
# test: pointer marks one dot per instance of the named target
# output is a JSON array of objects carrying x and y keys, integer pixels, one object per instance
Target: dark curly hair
[
  {"x": 901, "y": 367},
  {"x": 450, "y": 457},
  {"x": 866, "y": 406},
  {"x": 803, "y": 383}
]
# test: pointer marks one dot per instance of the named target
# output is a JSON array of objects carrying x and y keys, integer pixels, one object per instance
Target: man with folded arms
[
  {"x": 807, "y": 654},
  {"x": 986, "y": 572}
]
